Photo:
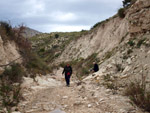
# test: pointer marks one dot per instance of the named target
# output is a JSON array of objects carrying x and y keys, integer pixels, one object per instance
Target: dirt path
[{"x": 86, "y": 97}]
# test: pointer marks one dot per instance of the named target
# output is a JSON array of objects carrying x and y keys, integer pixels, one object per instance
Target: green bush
[
  {"x": 131, "y": 43},
  {"x": 34, "y": 62},
  {"x": 14, "y": 73},
  {"x": 121, "y": 12}
]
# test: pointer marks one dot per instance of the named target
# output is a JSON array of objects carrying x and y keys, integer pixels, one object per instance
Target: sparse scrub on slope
[
  {"x": 121, "y": 12},
  {"x": 50, "y": 46},
  {"x": 100, "y": 23},
  {"x": 139, "y": 93},
  {"x": 131, "y": 43},
  {"x": 11, "y": 78},
  {"x": 10, "y": 82},
  {"x": 14, "y": 34},
  {"x": 35, "y": 64},
  {"x": 126, "y": 4}
]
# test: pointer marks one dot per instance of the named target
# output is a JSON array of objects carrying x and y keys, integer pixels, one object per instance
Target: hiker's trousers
[{"x": 67, "y": 78}]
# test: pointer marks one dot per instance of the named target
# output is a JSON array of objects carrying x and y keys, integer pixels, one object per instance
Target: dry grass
[{"x": 139, "y": 93}]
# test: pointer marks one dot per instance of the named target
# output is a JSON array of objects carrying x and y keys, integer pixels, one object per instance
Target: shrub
[
  {"x": 85, "y": 71},
  {"x": 14, "y": 73},
  {"x": 127, "y": 3},
  {"x": 6, "y": 31},
  {"x": 10, "y": 95},
  {"x": 121, "y": 12},
  {"x": 140, "y": 42},
  {"x": 131, "y": 43},
  {"x": 35, "y": 64},
  {"x": 56, "y": 35},
  {"x": 138, "y": 95},
  {"x": 111, "y": 86},
  {"x": 100, "y": 23},
  {"x": 10, "y": 82},
  {"x": 42, "y": 50},
  {"x": 97, "y": 24}
]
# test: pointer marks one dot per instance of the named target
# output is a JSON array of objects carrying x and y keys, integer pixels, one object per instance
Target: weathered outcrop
[
  {"x": 139, "y": 17},
  {"x": 110, "y": 33},
  {"x": 8, "y": 52}
]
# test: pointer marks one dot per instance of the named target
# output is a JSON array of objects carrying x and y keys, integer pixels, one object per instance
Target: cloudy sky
[{"x": 57, "y": 15}]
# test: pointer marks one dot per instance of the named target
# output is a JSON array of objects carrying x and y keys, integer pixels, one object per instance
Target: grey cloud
[{"x": 41, "y": 13}]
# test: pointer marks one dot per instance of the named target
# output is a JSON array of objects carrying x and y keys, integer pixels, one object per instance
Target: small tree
[
  {"x": 121, "y": 12},
  {"x": 126, "y": 3},
  {"x": 56, "y": 35}
]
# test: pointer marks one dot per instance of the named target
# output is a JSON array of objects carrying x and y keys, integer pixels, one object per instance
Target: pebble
[
  {"x": 89, "y": 105},
  {"x": 65, "y": 97}
]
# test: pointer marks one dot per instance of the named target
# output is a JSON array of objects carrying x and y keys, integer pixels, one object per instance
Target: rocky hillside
[
  {"x": 120, "y": 45},
  {"x": 108, "y": 34},
  {"x": 113, "y": 38},
  {"x": 28, "y": 32},
  {"x": 50, "y": 46},
  {"x": 16, "y": 61},
  {"x": 9, "y": 52}
]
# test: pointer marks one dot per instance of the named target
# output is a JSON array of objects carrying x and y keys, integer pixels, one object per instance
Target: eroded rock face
[
  {"x": 99, "y": 40},
  {"x": 139, "y": 17},
  {"x": 8, "y": 52},
  {"x": 110, "y": 33}
]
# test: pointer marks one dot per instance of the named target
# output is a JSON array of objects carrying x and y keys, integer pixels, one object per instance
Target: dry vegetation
[{"x": 11, "y": 78}]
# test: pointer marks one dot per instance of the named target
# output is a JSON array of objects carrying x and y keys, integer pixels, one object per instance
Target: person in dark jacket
[
  {"x": 68, "y": 71},
  {"x": 95, "y": 68}
]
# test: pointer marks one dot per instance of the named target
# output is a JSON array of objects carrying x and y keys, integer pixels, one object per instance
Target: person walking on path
[{"x": 68, "y": 72}]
